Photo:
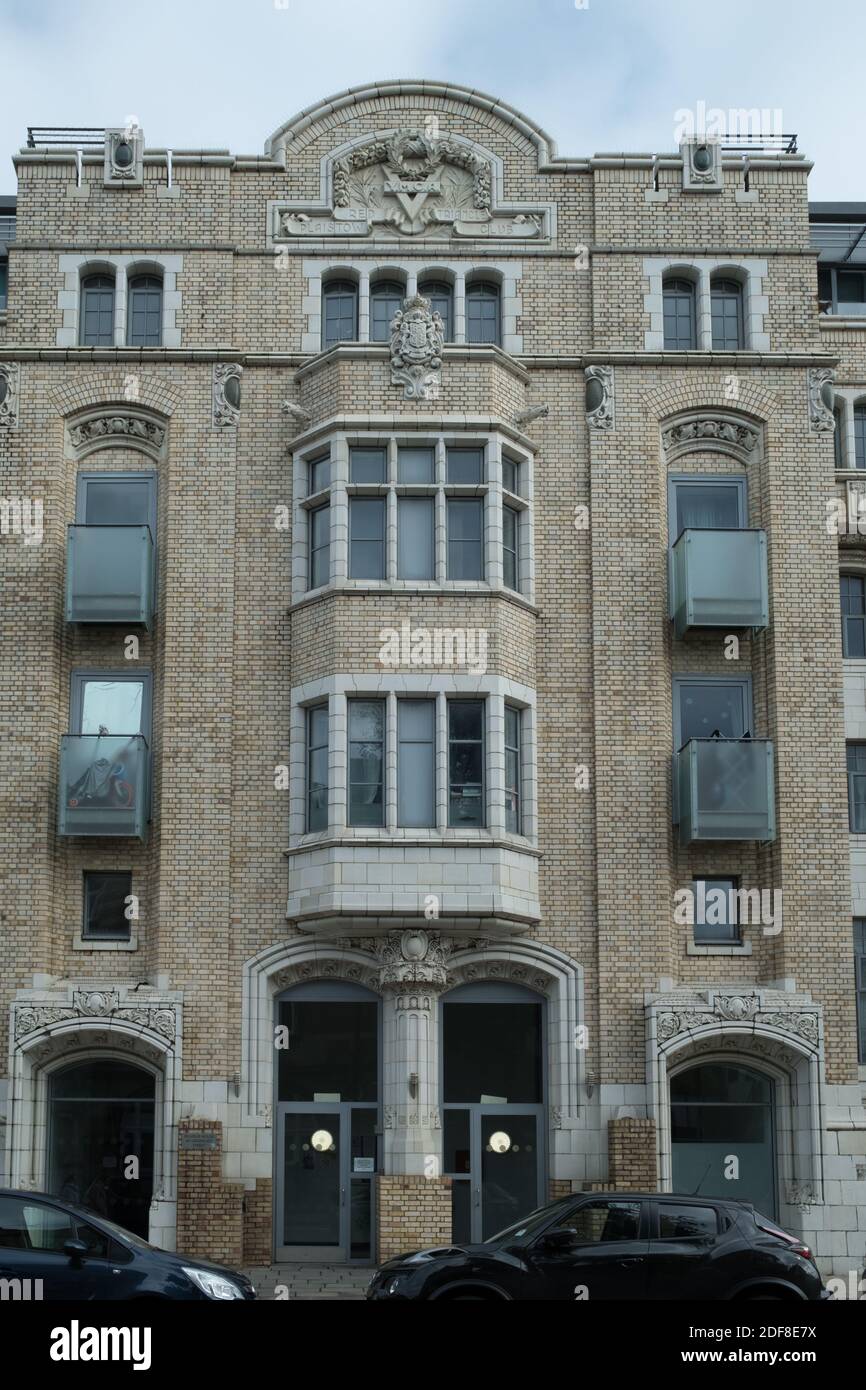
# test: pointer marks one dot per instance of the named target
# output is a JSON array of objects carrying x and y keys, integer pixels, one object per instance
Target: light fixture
[
  {"x": 500, "y": 1142},
  {"x": 322, "y": 1141},
  {"x": 413, "y": 1084}
]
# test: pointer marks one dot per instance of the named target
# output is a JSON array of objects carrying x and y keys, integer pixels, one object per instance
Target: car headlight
[
  {"x": 395, "y": 1283},
  {"x": 213, "y": 1285}
]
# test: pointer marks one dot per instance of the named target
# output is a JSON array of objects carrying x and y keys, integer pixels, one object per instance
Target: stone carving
[
  {"x": 394, "y": 1118},
  {"x": 702, "y": 166},
  {"x": 9, "y": 376},
  {"x": 299, "y": 417},
  {"x": 599, "y": 397},
  {"x": 821, "y": 415},
  {"x": 124, "y": 156},
  {"x": 532, "y": 412},
  {"x": 739, "y": 1008},
  {"x": 111, "y": 428},
  {"x": 227, "y": 394},
  {"x": 89, "y": 1004},
  {"x": 412, "y": 958},
  {"x": 695, "y": 433},
  {"x": 417, "y": 337},
  {"x": 805, "y": 1025},
  {"x": 406, "y": 184}
]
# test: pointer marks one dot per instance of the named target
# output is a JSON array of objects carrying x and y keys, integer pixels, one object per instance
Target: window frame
[
  {"x": 482, "y": 741},
  {"x": 734, "y": 927},
  {"x": 380, "y": 700},
  {"x": 743, "y": 682},
  {"x": 314, "y": 550},
  {"x": 436, "y": 288},
  {"x": 723, "y": 289},
  {"x": 330, "y": 290},
  {"x": 88, "y": 286},
  {"x": 134, "y": 286},
  {"x": 381, "y": 540},
  {"x": 516, "y": 749},
  {"x": 309, "y": 749},
  {"x": 402, "y": 700},
  {"x": 860, "y": 986},
  {"x": 852, "y": 745},
  {"x": 125, "y": 934},
  {"x": 81, "y": 676},
  {"x": 846, "y": 618},
  {"x": 680, "y": 286},
  {"x": 381, "y": 290},
  {"x": 481, "y": 291}
]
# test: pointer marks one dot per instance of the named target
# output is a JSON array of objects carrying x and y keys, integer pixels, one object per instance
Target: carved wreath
[{"x": 425, "y": 155}]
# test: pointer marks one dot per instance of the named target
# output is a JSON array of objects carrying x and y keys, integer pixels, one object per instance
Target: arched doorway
[
  {"x": 493, "y": 1089},
  {"x": 328, "y": 1048},
  {"x": 100, "y": 1139},
  {"x": 722, "y": 1133}
]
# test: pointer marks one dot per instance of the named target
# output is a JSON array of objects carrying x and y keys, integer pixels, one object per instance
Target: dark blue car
[{"x": 52, "y": 1251}]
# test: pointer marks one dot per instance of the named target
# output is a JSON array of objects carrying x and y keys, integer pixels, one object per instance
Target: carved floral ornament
[
  {"x": 406, "y": 184},
  {"x": 227, "y": 393},
  {"x": 738, "y": 1008},
  {"x": 158, "y": 1017},
  {"x": 599, "y": 397},
  {"x": 702, "y": 431},
  {"x": 821, "y": 397},
  {"x": 115, "y": 429},
  {"x": 9, "y": 382}
]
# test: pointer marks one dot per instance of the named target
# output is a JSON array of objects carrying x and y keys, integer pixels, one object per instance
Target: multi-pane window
[
  {"x": 416, "y": 763},
  {"x": 319, "y": 474},
  {"x": 144, "y": 312},
  {"x": 105, "y": 906},
  {"x": 465, "y": 466},
  {"x": 860, "y": 436},
  {"x": 856, "y": 757},
  {"x": 510, "y": 542},
  {"x": 367, "y": 538},
  {"x": 386, "y": 298},
  {"x": 852, "y": 594},
  {"x": 513, "y": 811},
  {"x": 482, "y": 312},
  {"x": 678, "y": 298},
  {"x": 441, "y": 298},
  {"x": 367, "y": 466},
  {"x": 716, "y": 921},
  {"x": 366, "y": 762},
  {"x": 416, "y": 465},
  {"x": 340, "y": 313},
  {"x": 415, "y": 551},
  {"x": 860, "y": 984},
  {"x": 97, "y": 311},
  {"x": 510, "y": 475},
  {"x": 706, "y": 504},
  {"x": 109, "y": 703},
  {"x": 726, "y": 304},
  {"x": 320, "y": 546},
  {"x": 317, "y": 768},
  {"x": 465, "y": 538},
  {"x": 466, "y": 763}
]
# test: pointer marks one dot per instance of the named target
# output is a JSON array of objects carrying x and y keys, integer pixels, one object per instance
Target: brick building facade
[{"x": 434, "y": 579}]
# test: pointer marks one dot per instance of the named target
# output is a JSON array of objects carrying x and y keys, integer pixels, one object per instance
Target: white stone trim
[
  {"x": 415, "y": 432},
  {"x": 751, "y": 270},
  {"x": 411, "y": 271},
  {"x": 847, "y": 397},
  {"x": 73, "y": 268}
]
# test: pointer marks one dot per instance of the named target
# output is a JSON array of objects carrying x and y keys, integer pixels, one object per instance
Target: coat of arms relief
[
  {"x": 417, "y": 336},
  {"x": 408, "y": 185}
]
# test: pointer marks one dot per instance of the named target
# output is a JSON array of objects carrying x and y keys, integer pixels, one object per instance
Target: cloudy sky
[{"x": 596, "y": 74}]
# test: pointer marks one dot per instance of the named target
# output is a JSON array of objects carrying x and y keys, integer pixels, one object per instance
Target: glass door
[
  {"x": 494, "y": 1158},
  {"x": 326, "y": 1161}
]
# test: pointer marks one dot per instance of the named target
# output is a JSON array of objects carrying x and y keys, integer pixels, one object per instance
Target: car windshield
[
  {"x": 115, "y": 1230},
  {"x": 530, "y": 1224}
]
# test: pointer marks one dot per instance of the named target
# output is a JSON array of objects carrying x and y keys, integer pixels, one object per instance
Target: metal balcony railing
[
  {"x": 7, "y": 227},
  {"x": 109, "y": 574},
  {"x": 719, "y": 579},
  {"x": 103, "y": 785},
  {"x": 725, "y": 790}
]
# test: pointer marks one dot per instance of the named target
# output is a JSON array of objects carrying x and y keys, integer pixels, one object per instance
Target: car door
[
  {"x": 33, "y": 1234},
  {"x": 684, "y": 1244},
  {"x": 607, "y": 1258}
]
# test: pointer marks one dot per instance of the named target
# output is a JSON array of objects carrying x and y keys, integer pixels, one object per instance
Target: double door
[
  {"x": 326, "y": 1160},
  {"x": 494, "y": 1156}
]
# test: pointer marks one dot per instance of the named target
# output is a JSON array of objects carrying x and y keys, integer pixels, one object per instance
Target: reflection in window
[
  {"x": 112, "y": 707},
  {"x": 317, "y": 768},
  {"x": 466, "y": 762},
  {"x": 366, "y": 762}
]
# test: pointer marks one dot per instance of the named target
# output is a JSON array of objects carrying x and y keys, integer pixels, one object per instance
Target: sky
[{"x": 597, "y": 75}]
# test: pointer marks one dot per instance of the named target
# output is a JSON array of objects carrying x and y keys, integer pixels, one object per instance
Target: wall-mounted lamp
[
  {"x": 413, "y": 1084},
  {"x": 235, "y": 1083}
]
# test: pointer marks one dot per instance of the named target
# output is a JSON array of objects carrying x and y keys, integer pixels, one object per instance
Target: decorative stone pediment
[
  {"x": 767, "y": 1014},
  {"x": 417, "y": 339},
  {"x": 708, "y": 430},
  {"x": 117, "y": 429},
  {"x": 120, "y": 1010},
  {"x": 9, "y": 374},
  {"x": 404, "y": 184}
]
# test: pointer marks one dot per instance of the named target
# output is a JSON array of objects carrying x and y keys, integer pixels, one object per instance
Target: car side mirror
[
  {"x": 76, "y": 1250},
  {"x": 561, "y": 1238}
]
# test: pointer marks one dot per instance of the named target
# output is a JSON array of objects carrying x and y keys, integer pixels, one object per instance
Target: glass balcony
[
  {"x": 719, "y": 579},
  {"x": 103, "y": 785},
  {"x": 109, "y": 574},
  {"x": 724, "y": 790}
]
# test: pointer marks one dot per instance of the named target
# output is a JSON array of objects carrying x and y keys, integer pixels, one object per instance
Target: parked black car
[
  {"x": 616, "y": 1245},
  {"x": 80, "y": 1256}
]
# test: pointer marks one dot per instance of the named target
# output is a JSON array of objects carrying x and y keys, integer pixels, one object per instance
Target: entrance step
[{"x": 310, "y": 1282}]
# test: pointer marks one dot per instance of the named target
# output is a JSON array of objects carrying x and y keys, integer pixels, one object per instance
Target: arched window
[
  {"x": 144, "y": 312},
  {"x": 718, "y": 1109},
  {"x": 441, "y": 298},
  {"x": 727, "y": 315},
  {"x": 482, "y": 312},
  {"x": 97, "y": 311},
  {"x": 340, "y": 313},
  {"x": 860, "y": 436},
  {"x": 852, "y": 595},
  {"x": 679, "y": 315},
  {"x": 386, "y": 298}
]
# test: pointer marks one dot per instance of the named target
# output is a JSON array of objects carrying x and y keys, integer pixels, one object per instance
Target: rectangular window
[
  {"x": 367, "y": 538},
  {"x": 465, "y": 466},
  {"x": 711, "y": 709},
  {"x": 513, "y": 816},
  {"x": 716, "y": 918},
  {"x": 687, "y": 1222},
  {"x": 706, "y": 504},
  {"x": 465, "y": 538},
  {"x": 320, "y": 474},
  {"x": 466, "y": 763},
  {"x": 116, "y": 499},
  {"x": 851, "y": 291},
  {"x": 105, "y": 906},
  {"x": 856, "y": 754},
  {"x": 110, "y": 704},
  {"x": 416, "y": 763},
  {"x": 367, "y": 466},
  {"x": 859, "y": 436},
  {"x": 317, "y": 768},
  {"x": 366, "y": 762},
  {"x": 860, "y": 985},
  {"x": 4, "y": 280},
  {"x": 679, "y": 320},
  {"x": 415, "y": 465},
  {"x": 320, "y": 546},
  {"x": 852, "y": 592},
  {"x": 510, "y": 540},
  {"x": 510, "y": 475},
  {"x": 415, "y": 558}
]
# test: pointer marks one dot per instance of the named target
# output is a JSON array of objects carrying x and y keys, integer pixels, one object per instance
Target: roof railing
[
  {"x": 50, "y": 136},
  {"x": 742, "y": 144}
]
